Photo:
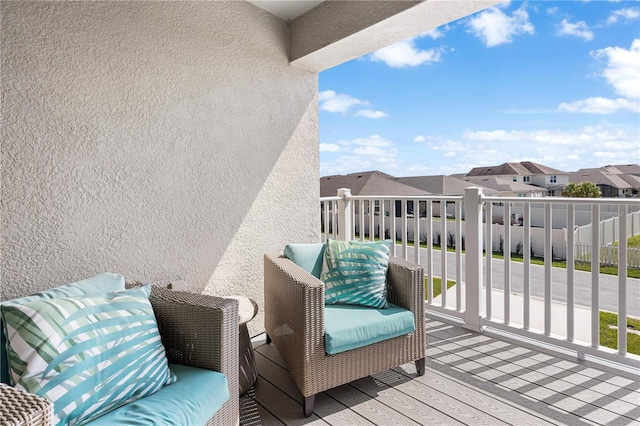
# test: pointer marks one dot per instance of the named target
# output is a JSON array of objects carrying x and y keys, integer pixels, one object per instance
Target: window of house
[
  {"x": 553, "y": 179},
  {"x": 515, "y": 178},
  {"x": 526, "y": 179},
  {"x": 552, "y": 193}
]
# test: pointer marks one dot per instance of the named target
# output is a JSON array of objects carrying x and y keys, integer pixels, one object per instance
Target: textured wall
[{"x": 161, "y": 140}]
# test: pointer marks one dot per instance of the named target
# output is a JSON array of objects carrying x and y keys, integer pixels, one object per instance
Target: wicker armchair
[
  {"x": 294, "y": 321},
  {"x": 201, "y": 331}
]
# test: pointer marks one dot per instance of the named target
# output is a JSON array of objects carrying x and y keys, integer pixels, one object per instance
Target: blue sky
[{"x": 557, "y": 83}]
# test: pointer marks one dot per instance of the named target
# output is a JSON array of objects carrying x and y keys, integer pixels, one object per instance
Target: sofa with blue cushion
[
  {"x": 327, "y": 345},
  {"x": 199, "y": 334}
]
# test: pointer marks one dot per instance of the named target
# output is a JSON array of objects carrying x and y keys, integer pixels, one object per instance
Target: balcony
[{"x": 507, "y": 342}]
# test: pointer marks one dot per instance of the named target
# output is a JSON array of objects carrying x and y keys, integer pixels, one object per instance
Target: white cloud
[
  {"x": 552, "y": 10},
  {"x": 370, "y": 151},
  {"x": 406, "y": 53},
  {"x": 337, "y": 102},
  {"x": 329, "y": 147},
  {"x": 449, "y": 146},
  {"x": 586, "y": 136},
  {"x": 579, "y": 29},
  {"x": 599, "y": 105},
  {"x": 626, "y": 13},
  {"x": 369, "y": 113},
  {"x": 623, "y": 69},
  {"x": 435, "y": 33},
  {"x": 373, "y": 140},
  {"x": 495, "y": 27},
  {"x": 419, "y": 138},
  {"x": 623, "y": 74}
]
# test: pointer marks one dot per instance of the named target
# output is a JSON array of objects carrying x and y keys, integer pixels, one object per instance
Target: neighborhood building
[
  {"x": 527, "y": 172},
  {"x": 611, "y": 180}
]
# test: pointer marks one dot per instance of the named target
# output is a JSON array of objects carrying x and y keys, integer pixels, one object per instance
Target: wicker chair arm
[
  {"x": 294, "y": 302},
  {"x": 198, "y": 330},
  {"x": 406, "y": 285}
]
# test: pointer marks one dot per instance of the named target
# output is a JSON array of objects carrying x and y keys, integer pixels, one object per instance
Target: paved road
[{"x": 582, "y": 282}]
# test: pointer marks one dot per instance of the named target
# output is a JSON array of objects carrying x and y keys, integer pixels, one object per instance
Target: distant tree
[{"x": 581, "y": 190}]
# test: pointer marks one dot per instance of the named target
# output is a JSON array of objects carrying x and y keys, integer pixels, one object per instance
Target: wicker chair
[
  {"x": 201, "y": 331},
  {"x": 294, "y": 321}
]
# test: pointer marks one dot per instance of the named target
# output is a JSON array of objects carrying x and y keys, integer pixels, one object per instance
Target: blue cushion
[
  {"x": 192, "y": 400},
  {"x": 349, "y": 326},
  {"x": 306, "y": 256},
  {"x": 103, "y": 283},
  {"x": 87, "y": 354}
]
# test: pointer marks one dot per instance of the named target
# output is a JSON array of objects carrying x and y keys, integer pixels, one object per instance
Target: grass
[
  {"x": 437, "y": 286},
  {"x": 609, "y": 335}
]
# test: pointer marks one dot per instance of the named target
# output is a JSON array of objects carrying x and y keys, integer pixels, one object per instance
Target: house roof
[
  {"x": 632, "y": 169},
  {"x": 599, "y": 177},
  {"x": 502, "y": 184},
  {"x": 524, "y": 168},
  {"x": 367, "y": 183},
  {"x": 440, "y": 184}
]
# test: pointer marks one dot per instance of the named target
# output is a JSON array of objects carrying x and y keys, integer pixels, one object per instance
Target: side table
[
  {"x": 247, "y": 309},
  {"x": 21, "y": 408}
]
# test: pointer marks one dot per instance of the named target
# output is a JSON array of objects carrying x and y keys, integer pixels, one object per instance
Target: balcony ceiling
[{"x": 287, "y": 9}]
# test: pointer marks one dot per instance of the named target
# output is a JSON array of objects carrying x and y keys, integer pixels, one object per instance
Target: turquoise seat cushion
[
  {"x": 103, "y": 283},
  {"x": 307, "y": 256},
  {"x": 350, "y": 326},
  {"x": 192, "y": 400}
]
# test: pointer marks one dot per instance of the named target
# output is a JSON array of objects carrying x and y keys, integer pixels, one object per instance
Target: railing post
[
  {"x": 345, "y": 215},
  {"x": 473, "y": 256}
]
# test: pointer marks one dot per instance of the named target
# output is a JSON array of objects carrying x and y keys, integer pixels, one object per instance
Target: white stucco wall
[{"x": 161, "y": 140}]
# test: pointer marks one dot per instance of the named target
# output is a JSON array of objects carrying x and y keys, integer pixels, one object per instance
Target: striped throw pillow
[
  {"x": 356, "y": 273},
  {"x": 88, "y": 354}
]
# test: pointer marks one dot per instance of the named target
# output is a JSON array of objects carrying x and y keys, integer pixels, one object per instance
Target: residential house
[
  {"x": 611, "y": 181},
  {"x": 506, "y": 187},
  {"x": 527, "y": 172},
  {"x": 370, "y": 183}
]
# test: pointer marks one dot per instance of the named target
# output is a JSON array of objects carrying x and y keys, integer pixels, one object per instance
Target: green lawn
[
  {"x": 609, "y": 335},
  {"x": 437, "y": 286}
]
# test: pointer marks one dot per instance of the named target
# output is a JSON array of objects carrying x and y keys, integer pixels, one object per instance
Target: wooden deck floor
[{"x": 471, "y": 379}]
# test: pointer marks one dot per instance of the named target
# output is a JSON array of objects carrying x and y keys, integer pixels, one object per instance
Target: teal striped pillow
[
  {"x": 356, "y": 273},
  {"x": 88, "y": 354}
]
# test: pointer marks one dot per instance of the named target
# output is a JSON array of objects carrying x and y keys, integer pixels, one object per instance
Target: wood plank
[
  {"x": 325, "y": 407},
  {"x": 368, "y": 407},
  {"x": 456, "y": 407},
  {"x": 281, "y": 406},
  {"x": 417, "y": 409}
]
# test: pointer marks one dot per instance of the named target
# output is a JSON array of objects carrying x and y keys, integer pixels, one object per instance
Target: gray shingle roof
[
  {"x": 503, "y": 184},
  {"x": 525, "y": 168},
  {"x": 367, "y": 183},
  {"x": 441, "y": 184}
]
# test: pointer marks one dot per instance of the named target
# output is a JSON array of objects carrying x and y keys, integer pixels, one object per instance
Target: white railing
[{"x": 449, "y": 236}]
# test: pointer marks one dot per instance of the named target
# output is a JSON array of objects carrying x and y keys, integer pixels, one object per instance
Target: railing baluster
[
  {"x": 382, "y": 232},
  {"x": 372, "y": 220},
  {"x": 506, "y": 249},
  {"x": 526, "y": 253},
  {"x": 548, "y": 263},
  {"x": 595, "y": 276},
  {"x": 361, "y": 221},
  {"x": 622, "y": 280},
  {"x": 392, "y": 227},
  {"x": 458, "y": 205},
  {"x": 430, "y": 251},
  {"x": 570, "y": 272},
  {"x": 443, "y": 251},
  {"x": 489, "y": 254},
  {"x": 416, "y": 231},
  {"x": 404, "y": 206}
]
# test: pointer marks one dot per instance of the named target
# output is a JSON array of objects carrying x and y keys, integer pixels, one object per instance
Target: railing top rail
[
  {"x": 564, "y": 200},
  {"x": 399, "y": 197}
]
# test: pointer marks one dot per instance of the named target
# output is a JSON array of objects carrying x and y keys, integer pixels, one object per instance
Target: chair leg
[
  {"x": 420, "y": 366},
  {"x": 308, "y": 404},
  {"x": 268, "y": 339}
]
